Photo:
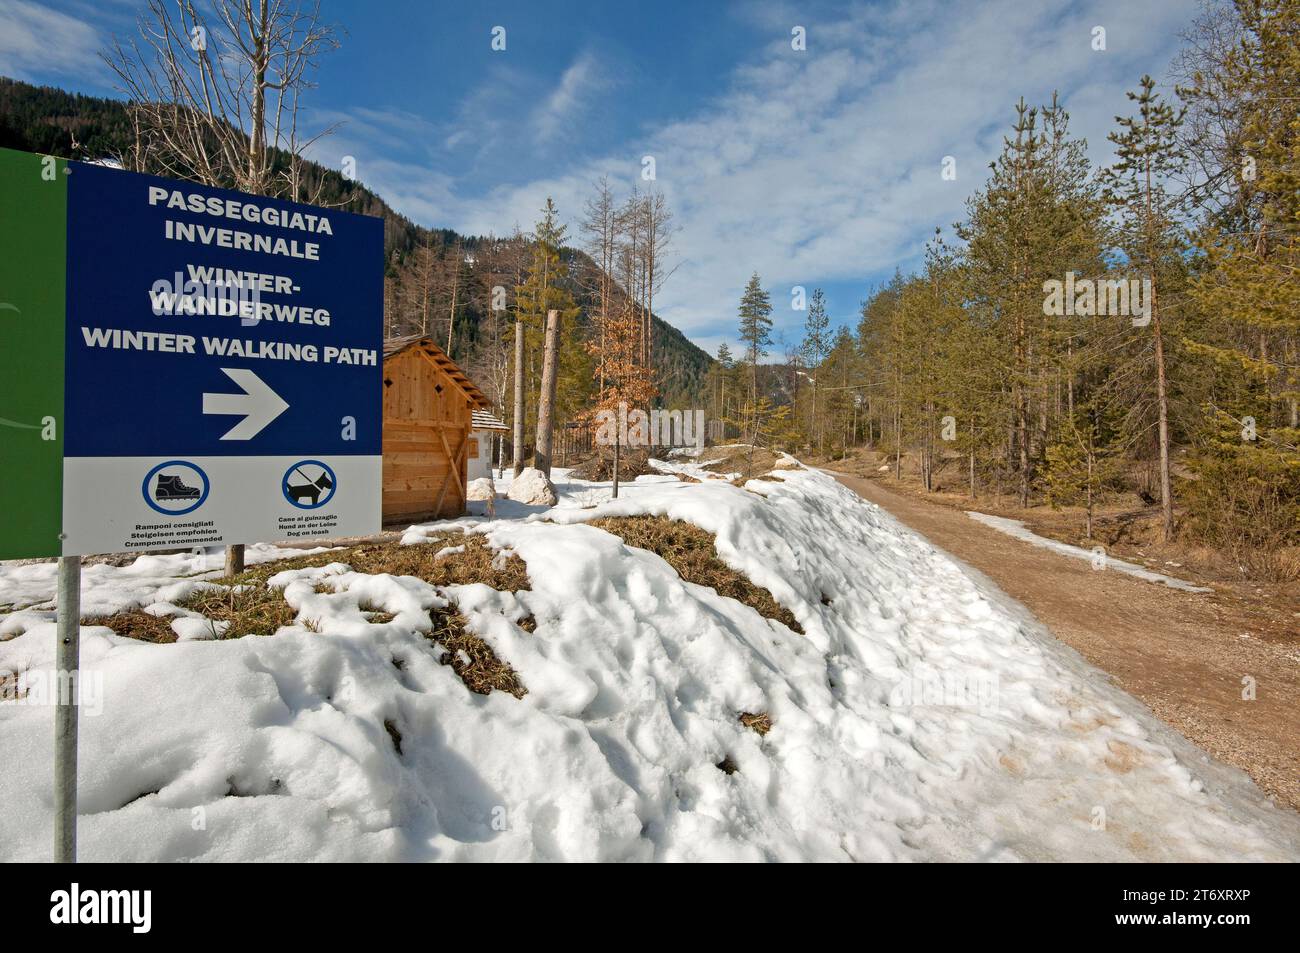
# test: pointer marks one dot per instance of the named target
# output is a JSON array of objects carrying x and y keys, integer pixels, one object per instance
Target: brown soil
[{"x": 1185, "y": 655}]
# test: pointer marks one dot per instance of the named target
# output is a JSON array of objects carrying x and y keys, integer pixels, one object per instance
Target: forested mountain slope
[{"x": 436, "y": 280}]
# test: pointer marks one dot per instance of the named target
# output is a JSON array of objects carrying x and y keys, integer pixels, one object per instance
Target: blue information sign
[{"x": 223, "y": 366}]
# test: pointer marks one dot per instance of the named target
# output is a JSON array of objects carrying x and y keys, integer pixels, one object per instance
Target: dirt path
[{"x": 1185, "y": 655}]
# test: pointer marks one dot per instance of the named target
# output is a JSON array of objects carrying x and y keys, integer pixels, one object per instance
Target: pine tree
[
  {"x": 1038, "y": 217},
  {"x": 1081, "y": 461},
  {"x": 1248, "y": 448},
  {"x": 813, "y": 350},
  {"x": 756, "y": 333},
  {"x": 1147, "y": 149},
  {"x": 722, "y": 383},
  {"x": 836, "y": 380}
]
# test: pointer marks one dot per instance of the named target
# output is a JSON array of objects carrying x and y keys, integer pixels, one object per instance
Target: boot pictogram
[{"x": 171, "y": 487}]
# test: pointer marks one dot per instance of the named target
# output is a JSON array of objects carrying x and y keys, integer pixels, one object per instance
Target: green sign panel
[{"x": 33, "y": 239}]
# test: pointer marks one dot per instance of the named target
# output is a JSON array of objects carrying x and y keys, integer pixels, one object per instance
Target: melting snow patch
[{"x": 1018, "y": 529}]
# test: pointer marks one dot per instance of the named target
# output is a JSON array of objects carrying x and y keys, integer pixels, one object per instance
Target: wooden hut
[{"x": 428, "y": 416}]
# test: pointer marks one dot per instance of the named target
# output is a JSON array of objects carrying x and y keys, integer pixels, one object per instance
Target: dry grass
[
  {"x": 256, "y": 610},
  {"x": 137, "y": 624},
  {"x": 249, "y": 610},
  {"x": 760, "y": 722},
  {"x": 259, "y": 574},
  {"x": 252, "y": 608},
  {"x": 691, "y": 551},
  {"x": 471, "y": 658},
  {"x": 479, "y": 562}
]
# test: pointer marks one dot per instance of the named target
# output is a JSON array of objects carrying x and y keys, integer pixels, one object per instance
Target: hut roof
[
  {"x": 482, "y": 420},
  {"x": 439, "y": 359}
]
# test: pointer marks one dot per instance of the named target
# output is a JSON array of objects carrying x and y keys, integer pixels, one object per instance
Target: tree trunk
[
  {"x": 972, "y": 458},
  {"x": 517, "y": 436},
  {"x": 546, "y": 402},
  {"x": 1090, "y": 459},
  {"x": 898, "y": 432},
  {"x": 1162, "y": 398},
  {"x": 1022, "y": 432},
  {"x": 234, "y": 560},
  {"x": 455, "y": 290},
  {"x": 1162, "y": 395},
  {"x": 618, "y": 425},
  {"x": 816, "y": 428},
  {"x": 257, "y": 107}
]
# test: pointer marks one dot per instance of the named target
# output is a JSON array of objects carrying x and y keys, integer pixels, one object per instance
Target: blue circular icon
[
  {"x": 175, "y": 487},
  {"x": 309, "y": 484}
]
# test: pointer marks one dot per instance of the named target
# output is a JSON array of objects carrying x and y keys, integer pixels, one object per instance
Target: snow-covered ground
[{"x": 922, "y": 716}]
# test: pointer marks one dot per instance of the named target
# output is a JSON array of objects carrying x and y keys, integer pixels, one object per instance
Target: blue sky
[{"x": 816, "y": 168}]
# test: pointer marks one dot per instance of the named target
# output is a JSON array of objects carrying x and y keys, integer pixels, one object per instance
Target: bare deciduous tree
[{"x": 215, "y": 91}]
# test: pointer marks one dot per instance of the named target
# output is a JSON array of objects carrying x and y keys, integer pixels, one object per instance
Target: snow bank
[
  {"x": 923, "y": 715},
  {"x": 1018, "y": 529}
]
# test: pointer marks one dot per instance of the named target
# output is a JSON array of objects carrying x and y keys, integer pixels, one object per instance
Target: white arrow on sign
[{"x": 259, "y": 405}]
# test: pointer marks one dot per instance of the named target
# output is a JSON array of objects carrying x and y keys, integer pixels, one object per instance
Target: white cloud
[
  {"x": 825, "y": 165},
  {"x": 36, "y": 42},
  {"x": 568, "y": 98}
]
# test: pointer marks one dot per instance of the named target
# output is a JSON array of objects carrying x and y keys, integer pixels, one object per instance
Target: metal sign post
[{"x": 67, "y": 665}]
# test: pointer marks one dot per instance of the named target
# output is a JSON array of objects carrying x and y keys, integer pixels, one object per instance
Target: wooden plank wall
[{"x": 426, "y": 426}]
